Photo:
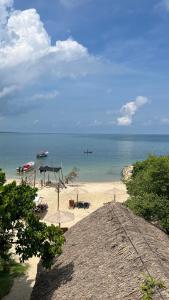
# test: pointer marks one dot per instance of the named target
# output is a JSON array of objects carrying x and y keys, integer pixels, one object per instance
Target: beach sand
[{"x": 96, "y": 193}]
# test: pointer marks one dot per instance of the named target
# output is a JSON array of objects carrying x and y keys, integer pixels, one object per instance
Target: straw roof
[{"x": 105, "y": 257}]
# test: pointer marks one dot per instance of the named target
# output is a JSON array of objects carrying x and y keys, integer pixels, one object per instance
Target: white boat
[{"x": 42, "y": 154}]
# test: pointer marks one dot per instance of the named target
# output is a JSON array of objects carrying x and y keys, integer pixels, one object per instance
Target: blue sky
[{"x": 84, "y": 66}]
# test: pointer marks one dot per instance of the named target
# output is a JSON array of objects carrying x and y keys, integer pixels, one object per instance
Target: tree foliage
[
  {"x": 149, "y": 190},
  {"x": 19, "y": 226},
  {"x": 150, "y": 176},
  {"x": 2, "y": 178}
]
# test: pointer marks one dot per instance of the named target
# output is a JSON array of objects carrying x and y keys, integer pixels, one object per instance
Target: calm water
[{"x": 110, "y": 152}]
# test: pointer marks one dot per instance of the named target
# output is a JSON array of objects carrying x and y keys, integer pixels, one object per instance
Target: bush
[{"x": 149, "y": 190}]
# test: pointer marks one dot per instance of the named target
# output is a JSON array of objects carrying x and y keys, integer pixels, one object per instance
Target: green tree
[
  {"x": 150, "y": 176},
  {"x": 149, "y": 190},
  {"x": 19, "y": 226},
  {"x": 2, "y": 178},
  {"x": 151, "y": 207}
]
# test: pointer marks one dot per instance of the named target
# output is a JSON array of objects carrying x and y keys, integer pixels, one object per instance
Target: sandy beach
[{"x": 96, "y": 193}]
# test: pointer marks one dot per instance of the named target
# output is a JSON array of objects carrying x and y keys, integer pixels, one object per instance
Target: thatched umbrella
[
  {"x": 60, "y": 217},
  {"x": 114, "y": 192},
  {"x": 77, "y": 189}
]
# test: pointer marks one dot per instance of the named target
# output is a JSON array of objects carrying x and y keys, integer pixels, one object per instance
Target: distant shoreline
[{"x": 85, "y": 133}]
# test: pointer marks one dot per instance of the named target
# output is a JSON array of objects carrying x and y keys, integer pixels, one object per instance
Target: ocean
[{"x": 111, "y": 152}]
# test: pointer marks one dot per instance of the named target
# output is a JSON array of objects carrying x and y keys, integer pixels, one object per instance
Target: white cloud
[
  {"x": 124, "y": 121},
  {"x": 69, "y": 50},
  {"x": 28, "y": 41},
  {"x": 163, "y": 4},
  {"x": 29, "y": 60},
  {"x": 46, "y": 96},
  {"x": 165, "y": 121},
  {"x": 8, "y": 90},
  {"x": 129, "y": 110},
  {"x": 5, "y": 5},
  {"x": 28, "y": 57}
]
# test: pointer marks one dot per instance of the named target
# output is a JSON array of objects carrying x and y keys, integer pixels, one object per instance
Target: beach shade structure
[
  {"x": 60, "y": 217},
  {"x": 77, "y": 189},
  {"x": 114, "y": 193},
  {"x": 54, "y": 170}
]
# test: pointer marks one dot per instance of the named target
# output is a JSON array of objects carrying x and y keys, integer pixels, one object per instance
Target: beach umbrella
[
  {"x": 77, "y": 189},
  {"x": 114, "y": 192},
  {"x": 60, "y": 217}
]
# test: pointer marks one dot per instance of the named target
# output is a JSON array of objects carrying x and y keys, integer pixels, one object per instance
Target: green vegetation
[
  {"x": 149, "y": 190},
  {"x": 149, "y": 286},
  {"x": 2, "y": 178},
  {"x": 20, "y": 227},
  {"x": 7, "y": 278}
]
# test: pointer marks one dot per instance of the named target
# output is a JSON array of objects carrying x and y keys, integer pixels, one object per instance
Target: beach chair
[
  {"x": 71, "y": 204},
  {"x": 80, "y": 204},
  {"x": 86, "y": 204}
]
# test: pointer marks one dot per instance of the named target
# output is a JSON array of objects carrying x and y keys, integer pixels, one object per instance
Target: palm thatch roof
[{"x": 106, "y": 256}]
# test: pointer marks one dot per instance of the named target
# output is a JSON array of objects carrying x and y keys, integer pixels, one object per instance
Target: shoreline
[{"x": 9, "y": 179}]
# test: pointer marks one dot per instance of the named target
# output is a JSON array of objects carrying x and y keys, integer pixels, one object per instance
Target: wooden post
[
  {"x": 58, "y": 204},
  {"x": 34, "y": 179},
  {"x": 77, "y": 196},
  {"x": 44, "y": 177},
  {"x": 58, "y": 190},
  {"x": 60, "y": 171}
]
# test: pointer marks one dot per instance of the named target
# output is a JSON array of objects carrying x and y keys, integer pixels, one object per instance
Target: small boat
[
  {"x": 42, "y": 154},
  {"x": 26, "y": 167},
  {"x": 87, "y": 152}
]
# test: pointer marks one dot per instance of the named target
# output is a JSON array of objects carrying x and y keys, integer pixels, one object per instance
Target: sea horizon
[{"x": 84, "y": 133}]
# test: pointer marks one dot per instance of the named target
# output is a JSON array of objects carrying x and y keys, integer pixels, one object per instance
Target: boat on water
[
  {"x": 42, "y": 154},
  {"x": 87, "y": 152},
  {"x": 26, "y": 167}
]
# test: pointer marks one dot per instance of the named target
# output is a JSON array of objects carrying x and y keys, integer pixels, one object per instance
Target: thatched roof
[{"x": 105, "y": 257}]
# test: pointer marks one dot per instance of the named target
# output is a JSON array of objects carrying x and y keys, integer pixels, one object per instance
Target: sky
[{"x": 84, "y": 66}]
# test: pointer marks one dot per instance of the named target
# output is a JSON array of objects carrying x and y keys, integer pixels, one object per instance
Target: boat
[
  {"x": 87, "y": 152},
  {"x": 26, "y": 167},
  {"x": 42, "y": 154}
]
